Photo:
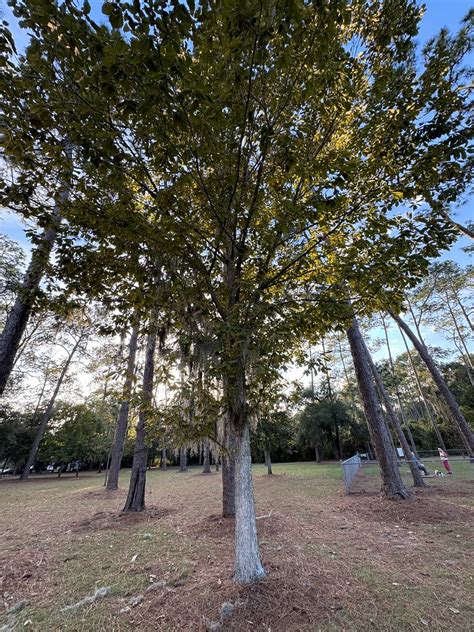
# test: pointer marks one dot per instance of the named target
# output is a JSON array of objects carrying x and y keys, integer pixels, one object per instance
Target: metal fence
[{"x": 350, "y": 467}]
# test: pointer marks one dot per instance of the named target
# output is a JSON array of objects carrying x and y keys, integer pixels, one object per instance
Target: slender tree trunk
[
  {"x": 392, "y": 484},
  {"x": 369, "y": 451},
  {"x": 338, "y": 441},
  {"x": 20, "y": 313},
  {"x": 136, "y": 491},
  {"x": 465, "y": 314},
  {"x": 268, "y": 460},
  {"x": 122, "y": 420},
  {"x": 228, "y": 474},
  {"x": 47, "y": 413},
  {"x": 397, "y": 390},
  {"x": 206, "y": 457},
  {"x": 216, "y": 463},
  {"x": 415, "y": 472},
  {"x": 317, "y": 456},
  {"x": 448, "y": 397},
  {"x": 464, "y": 354},
  {"x": 183, "y": 461},
  {"x": 422, "y": 395},
  {"x": 164, "y": 459}
]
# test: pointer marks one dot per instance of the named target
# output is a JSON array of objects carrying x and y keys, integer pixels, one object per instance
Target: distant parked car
[
  {"x": 8, "y": 470},
  {"x": 50, "y": 468}
]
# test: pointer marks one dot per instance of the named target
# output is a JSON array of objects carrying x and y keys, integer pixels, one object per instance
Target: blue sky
[{"x": 439, "y": 14}]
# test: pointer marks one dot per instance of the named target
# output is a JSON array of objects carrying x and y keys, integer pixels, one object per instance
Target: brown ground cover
[{"x": 334, "y": 562}]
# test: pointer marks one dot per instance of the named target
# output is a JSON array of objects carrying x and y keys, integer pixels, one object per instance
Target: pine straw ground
[{"x": 334, "y": 562}]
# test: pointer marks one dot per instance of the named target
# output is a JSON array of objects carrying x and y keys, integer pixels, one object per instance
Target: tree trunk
[
  {"x": 392, "y": 484},
  {"x": 136, "y": 491},
  {"x": 466, "y": 355},
  {"x": 19, "y": 315},
  {"x": 164, "y": 459},
  {"x": 422, "y": 395},
  {"x": 183, "y": 462},
  {"x": 268, "y": 460},
  {"x": 248, "y": 566},
  {"x": 207, "y": 462},
  {"x": 448, "y": 397},
  {"x": 463, "y": 309},
  {"x": 415, "y": 472},
  {"x": 369, "y": 451},
  {"x": 397, "y": 390},
  {"x": 122, "y": 420},
  {"x": 228, "y": 474},
  {"x": 338, "y": 441},
  {"x": 317, "y": 456},
  {"x": 216, "y": 463},
  {"x": 47, "y": 414}
]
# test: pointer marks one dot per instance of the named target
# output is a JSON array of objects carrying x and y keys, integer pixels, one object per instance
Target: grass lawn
[{"x": 334, "y": 562}]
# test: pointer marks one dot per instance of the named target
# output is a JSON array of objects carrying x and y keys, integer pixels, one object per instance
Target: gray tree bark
[
  {"x": 47, "y": 413},
  {"x": 122, "y": 421},
  {"x": 136, "y": 491},
  {"x": 268, "y": 460},
  {"x": 19, "y": 315},
  {"x": 206, "y": 457},
  {"x": 448, "y": 397},
  {"x": 248, "y": 566},
  {"x": 183, "y": 461},
  {"x": 392, "y": 484}
]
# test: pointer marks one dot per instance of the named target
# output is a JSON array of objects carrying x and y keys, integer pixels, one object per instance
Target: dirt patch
[
  {"x": 434, "y": 504},
  {"x": 103, "y": 520}
]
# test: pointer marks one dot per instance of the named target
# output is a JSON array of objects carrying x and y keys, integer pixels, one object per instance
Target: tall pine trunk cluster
[{"x": 392, "y": 484}]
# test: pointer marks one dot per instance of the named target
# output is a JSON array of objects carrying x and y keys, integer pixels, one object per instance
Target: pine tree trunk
[
  {"x": 465, "y": 314},
  {"x": 183, "y": 461},
  {"x": 268, "y": 460},
  {"x": 448, "y": 397},
  {"x": 415, "y": 472},
  {"x": 136, "y": 491},
  {"x": 122, "y": 420},
  {"x": 392, "y": 484},
  {"x": 206, "y": 460},
  {"x": 19, "y": 315},
  {"x": 397, "y": 390},
  {"x": 422, "y": 395},
  {"x": 47, "y": 414},
  {"x": 465, "y": 354}
]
